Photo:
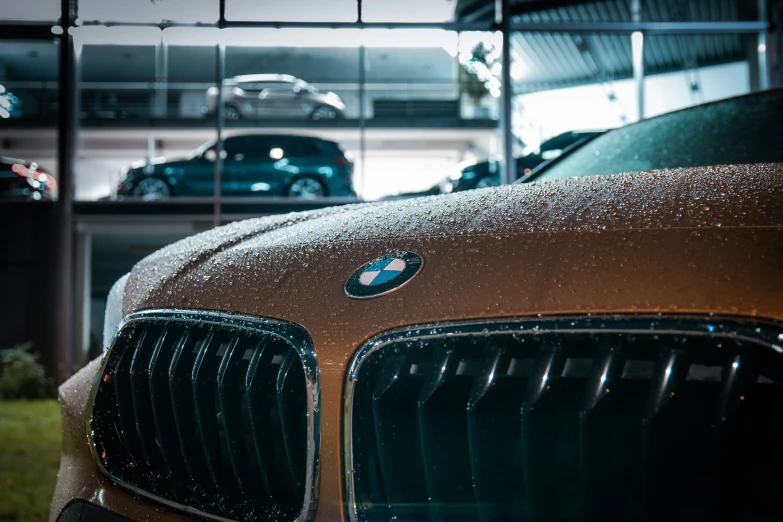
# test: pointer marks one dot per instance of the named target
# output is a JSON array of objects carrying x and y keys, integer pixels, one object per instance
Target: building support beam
[
  {"x": 82, "y": 297},
  {"x": 509, "y": 172},
  {"x": 362, "y": 113},
  {"x": 220, "y": 73},
  {"x": 761, "y": 47},
  {"x": 637, "y": 57},
  {"x": 62, "y": 226},
  {"x": 161, "y": 79}
]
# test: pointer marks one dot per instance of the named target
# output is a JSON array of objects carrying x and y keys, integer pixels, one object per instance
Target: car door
[
  {"x": 236, "y": 150},
  {"x": 252, "y": 96},
  {"x": 194, "y": 177},
  {"x": 283, "y": 101},
  {"x": 258, "y": 173}
]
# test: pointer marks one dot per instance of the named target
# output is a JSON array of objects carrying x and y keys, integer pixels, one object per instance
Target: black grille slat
[
  {"x": 737, "y": 386},
  {"x": 203, "y": 379},
  {"x": 588, "y": 419},
  {"x": 124, "y": 402},
  {"x": 140, "y": 390},
  {"x": 289, "y": 381},
  {"x": 160, "y": 397},
  {"x": 499, "y": 404},
  {"x": 230, "y": 386},
  {"x": 443, "y": 427},
  {"x": 609, "y": 424},
  {"x": 548, "y": 368},
  {"x": 496, "y": 400},
  {"x": 396, "y": 421},
  {"x": 256, "y": 400},
  {"x": 180, "y": 389},
  {"x": 211, "y": 413}
]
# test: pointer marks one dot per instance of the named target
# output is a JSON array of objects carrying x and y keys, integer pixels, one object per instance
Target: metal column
[
  {"x": 62, "y": 227},
  {"x": 161, "y": 79},
  {"x": 509, "y": 172},
  {"x": 761, "y": 47},
  {"x": 637, "y": 54},
  {"x": 82, "y": 297},
  {"x": 221, "y": 73},
  {"x": 362, "y": 116}
]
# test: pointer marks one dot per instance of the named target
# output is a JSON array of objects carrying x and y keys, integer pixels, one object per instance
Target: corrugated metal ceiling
[{"x": 551, "y": 60}]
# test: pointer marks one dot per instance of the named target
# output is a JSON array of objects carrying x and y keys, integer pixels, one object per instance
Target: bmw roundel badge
[{"x": 383, "y": 275}]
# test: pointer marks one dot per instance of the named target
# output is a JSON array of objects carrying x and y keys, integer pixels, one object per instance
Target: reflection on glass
[
  {"x": 28, "y": 117},
  {"x": 268, "y": 165},
  {"x": 274, "y": 96},
  {"x": 149, "y": 97}
]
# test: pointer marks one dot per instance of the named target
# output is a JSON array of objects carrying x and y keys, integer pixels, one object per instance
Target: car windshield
[
  {"x": 201, "y": 150},
  {"x": 736, "y": 131}
]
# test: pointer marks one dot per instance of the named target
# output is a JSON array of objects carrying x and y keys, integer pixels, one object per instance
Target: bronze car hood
[
  {"x": 550, "y": 247},
  {"x": 701, "y": 241}
]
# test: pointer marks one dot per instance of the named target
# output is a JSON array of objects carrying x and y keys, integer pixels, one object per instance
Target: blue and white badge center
[
  {"x": 380, "y": 272},
  {"x": 383, "y": 275}
]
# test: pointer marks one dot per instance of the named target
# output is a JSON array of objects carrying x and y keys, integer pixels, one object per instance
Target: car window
[
  {"x": 279, "y": 86},
  {"x": 257, "y": 147},
  {"x": 234, "y": 146},
  {"x": 295, "y": 147},
  {"x": 740, "y": 130},
  {"x": 561, "y": 141},
  {"x": 252, "y": 86}
]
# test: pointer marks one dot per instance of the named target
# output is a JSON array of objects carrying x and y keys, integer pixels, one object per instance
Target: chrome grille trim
[
  {"x": 294, "y": 335},
  {"x": 761, "y": 332}
]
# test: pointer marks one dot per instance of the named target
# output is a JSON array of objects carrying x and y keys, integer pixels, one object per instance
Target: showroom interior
[{"x": 394, "y": 98}]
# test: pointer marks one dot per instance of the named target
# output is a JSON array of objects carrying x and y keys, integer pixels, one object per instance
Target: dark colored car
[
  {"x": 301, "y": 167},
  {"x": 736, "y": 131},
  {"x": 487, "y": 173},
  {"x": 25, "y": 180}
]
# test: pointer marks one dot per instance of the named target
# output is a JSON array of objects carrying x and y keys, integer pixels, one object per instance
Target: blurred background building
[{"x": 126, "y": 125}]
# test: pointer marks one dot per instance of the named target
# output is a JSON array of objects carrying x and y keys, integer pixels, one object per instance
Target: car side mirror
[{"x": 551, "y": 154}]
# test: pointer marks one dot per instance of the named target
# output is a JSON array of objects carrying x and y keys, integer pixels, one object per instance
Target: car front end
[{"x": 514, "y": 353}]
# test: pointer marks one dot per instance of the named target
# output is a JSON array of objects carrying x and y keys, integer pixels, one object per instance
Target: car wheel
[
  {"x": 231, "y": 113},
  {"x": 486, "y": 182},
  {"x": 324, "y": 112},
  {"x": 151, "y": 189},
  {"x": 306, "y": 188}
]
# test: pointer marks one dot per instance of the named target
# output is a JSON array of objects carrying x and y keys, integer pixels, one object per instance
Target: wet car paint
[{"x": 702, "y": 241}]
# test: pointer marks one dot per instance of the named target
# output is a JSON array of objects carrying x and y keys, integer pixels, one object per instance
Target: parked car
[
  {"x": 25, "y": 180},
  {"x": 253, "y": 164},
  {"x": 486, "y": 173},
  {"x": 274, "y": 96},
  {"x": 593, "y": 347}
]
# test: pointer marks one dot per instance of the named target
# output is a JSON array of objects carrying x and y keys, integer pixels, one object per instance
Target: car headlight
[{"x": 113, "y": 316}]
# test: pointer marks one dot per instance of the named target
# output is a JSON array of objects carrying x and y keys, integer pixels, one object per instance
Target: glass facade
[
  {"x": 29, "y": 75},
  {"x": 186, "y": 114}
]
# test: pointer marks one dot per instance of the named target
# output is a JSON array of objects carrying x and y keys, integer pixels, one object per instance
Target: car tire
[
  {"x": 231, "y": 113},
  {"x": 307, "y": 188},
  {"x": 151, "y": 188},
  {"x": 324, "y": 113}
]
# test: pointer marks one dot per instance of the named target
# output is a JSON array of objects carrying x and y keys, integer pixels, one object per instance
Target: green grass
[{"x": 29, "y": 458}]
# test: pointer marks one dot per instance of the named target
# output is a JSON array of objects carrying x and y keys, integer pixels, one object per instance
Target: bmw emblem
[{"x": 383, "y": 275}]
